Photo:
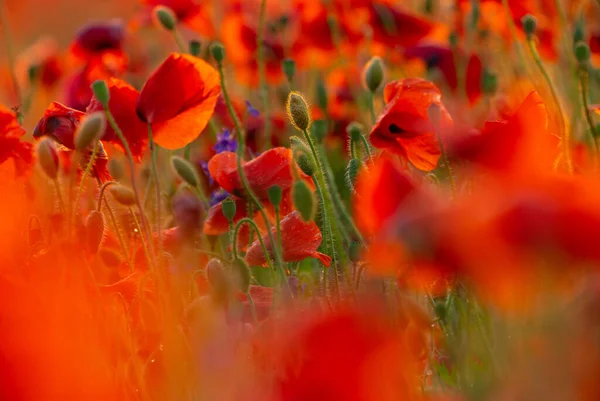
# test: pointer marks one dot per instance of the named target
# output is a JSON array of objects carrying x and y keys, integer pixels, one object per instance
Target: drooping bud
[
  {"x": 165, "y": 17},
  {"x": 305, "y": 163},
  {"x": 195, "y": 48},
  {"x": 115, "y": 168},
  {"x": 289, "y": 68},
  {"x": 122, "y": 195},
  {"x": 214, "y": 271},
  {"x": 352, "y": 173},
  {"x": 354, "y": 130},
  {"x": 373, "y": 74},
  {"x": 229, "y": 209},
  {"x": 275, "y": 195},
  {"x": 319, "y": 130},
  {"x": 48, "y": 157},
  {"x": 94, "y": 230},
  {"x": 321, "y": 94},
  {"x": 218, "y": 52},
  {"x": 297, "y": 110},
  {"x": 582, "y": 52},
  {"x": 101, "y": 92},
  {"x": 90, "y": 130},
  {"x": 304, "y": 200},
  {"x": 242, "y": 274},
  {"x": 185, "y": 171},
  {"x": 529, "y": 25}
]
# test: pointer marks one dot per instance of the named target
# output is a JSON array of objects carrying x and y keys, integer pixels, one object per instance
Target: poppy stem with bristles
[
  {"x": 253, "y": 225},
  {"x": 61, "y": 203},
  {"x": 583, "y": 89},
  {"x": 113, "y": 219},
  {"x": 153, "y": 149},
  {"x": 86, "y": 172},
  {"x": 563, "y": 124}
]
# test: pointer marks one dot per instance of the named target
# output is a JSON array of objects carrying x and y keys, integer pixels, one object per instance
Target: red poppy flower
[
  {"x": 78, "y": 92},
  {"x": 442, "y": 57},
  {"x": 299, "y": 240},
  {"x": 122, "y": 103},
  {"x": 403, "y": 127},
  {"x": 273, "y": 167},
  {"x": 193, "y": 14},
  {"x": 178, "y": 99},
  {"x": 11, "y": 146},
  {"x": 101, "y": 43},
  {"x": 393, "y": 26},
  {"x": 43, "y": 60},
  {"x": 522, "y": 140},
  {"x": 59, "y": 122}
]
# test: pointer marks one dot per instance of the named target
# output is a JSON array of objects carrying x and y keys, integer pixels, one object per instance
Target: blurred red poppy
[
  {"x": 299, "y": 240},
  {"x": 194, "y": 14},
  {"x": 101, "y": 43},
  {"x": 393, "y": 26},
  {"x": 403, "y": 127},
  {"x": 11, "y": 145},
  {"x": 40, "y": 62},
  {"x": 178, "y": 99},
  {"x": 59, "y": 122},
  {"x": 122, "y": 103}
]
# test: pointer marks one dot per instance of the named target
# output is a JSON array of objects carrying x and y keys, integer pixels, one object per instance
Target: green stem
[
  {"x": 86, "y": 172},
  {"x": 179, "y": 41},
  {"x": 367, "y": 148},
  {"x": 112, "y": 218},
  {"x": 328, "y": 241},
  {"x": 443, "y": 154},
  {"x": 372, "y": 107},
  {"x": 563, "y": 124},
  {"x": 153, "y": 150},
  {"x": 262, "y": 76},
  {"x": 252, "y": 307},
  {"x": 61, "y": 203},
  {"x": 253, "y": 225},
  {"x": 513, "y": 33},
  {"x": 583, "y": 88}
]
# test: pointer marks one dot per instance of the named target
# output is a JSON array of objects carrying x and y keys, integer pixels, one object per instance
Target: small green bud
[
  {"x": 297, "y": 110},
  {"x": 289, "y": 68},
  {"x": 304, "y": 200},
  {"x": 101, "y": 92},
  {"x": 582, "y": 52},
  {"x": 122, "y": 195},
  {"x": 48, "y": 157},
  {"x": 453, "y": 39},
  {"x": 440, "y": 310},
  {"x": 319, "y": 130},
  {"x": 321, "y": 94},
  {"x": 489, "y": 82},
  {"x": 355, "y": 251},
  {"x": 242, "y": 275},
  {"x": 90, "y": 130},
  {"x": 94, "y": 230},
  {"x": 185, "y": 171},
  {"x": 195, "y": 48},
  {"x": 578, "y": 32},
  {"x": 354, "y": 130},
  {"x": 373, "y": 74},
  {"x": 218, "y": 52},
  {"x": 305, "y": 163},
  {"x": 166, "y": 17},
  {"x": 275, "y": 195},
  {"x": 529, "y": 25},
  {"x": 115, "y": 168},
  {"x": 229, "y": 209},
  {"x": 351, "y": 173}
]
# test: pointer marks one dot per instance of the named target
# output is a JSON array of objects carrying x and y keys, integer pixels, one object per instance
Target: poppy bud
[
  {"x": 306, "y": 164},
  {"x": 48, "y": 157},
  {"x": 489, "y": 82},
  {"x": 100, "y": 90},
  {"x": 185, "y": 171},
  {"x": 274, "y": 194},
  {"x": 529, "y": 25},
  {"x": 90, "y": 130},
  {"x": 319, "y": 130},
  {"x": 195, "y": 48},
  {"x": 123, "y": 195},
  {"x": 354, "y": 130},
  {"x": 218, "y": 280},
  {"x": 228, "y": 208},
  {"x": 321, "y": 94},
  {"x": 351, "y": 173},
  {"x": 218, "y": 52},
  {"x": 373, "y": 74},
  {"x": 578, "y": 32},
  {"x": 242, "y": 274},
  {"x": 94, "y": 230},
  {"x": 115, "y": 168},
  {"x": 166, "y": 17},
  {"x": 297, "y": 110},
  {"x": 582, "y": 52},
  {"x": 354, "y": 251},
  {"x": 304, "y": 200},
  {"x": 289, "y": 68}
]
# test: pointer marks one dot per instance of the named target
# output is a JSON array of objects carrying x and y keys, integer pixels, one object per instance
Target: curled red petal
[{"x": 59, "y": 122}]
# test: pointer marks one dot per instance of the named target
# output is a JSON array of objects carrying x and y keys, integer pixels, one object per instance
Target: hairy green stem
[
  {"x": 153, "y": 149},
  {"x": 86, "y": 172},
  {"x": 583, "y": 89}
]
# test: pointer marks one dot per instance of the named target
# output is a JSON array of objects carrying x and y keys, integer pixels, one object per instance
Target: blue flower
[
  {"x": 225, "y": 142},
  {"x": 218, "y": 196},
  {"x": 251, "y": 110},
  {"x": 204, "y": 166}
]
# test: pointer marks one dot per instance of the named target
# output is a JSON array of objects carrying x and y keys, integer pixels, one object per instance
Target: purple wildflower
[
  {"x": 204, "y": 166},
  {"x": 251, "y": 110},
  {"x": 225, "y": 142},
  {"x": 218, "y": 196}
]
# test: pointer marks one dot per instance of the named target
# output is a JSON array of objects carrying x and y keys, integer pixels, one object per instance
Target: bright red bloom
[
  {"x": 59, "y": 122},
  {"x": 393, "y": 26},
  {"x": 273, "y": 167},
  {"x": 299, "y": 240},
  {"x": 178, "y": 99},
  {"x": 122, "y": 103},
  {"x": 43, "y": 60},
  {"x": 11, "y": 146},
  {"x": 403, "y": 127},
  {"x": 101, "y": 43}
]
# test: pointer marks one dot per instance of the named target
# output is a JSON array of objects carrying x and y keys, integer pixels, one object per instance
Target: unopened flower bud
[
  {"x": 289, "y": 68},
  {"x": 489, "y": 82},
  {"x": 90, "y": 130},
  {"x": 304, "y": 200},
  {"x": 529, "y": 25},
  {"x": 298, "y": 112},
  {"x": 354, "y": 130},
  {"x": 48, "y": 157},
  {"x": 351, "y": 173},
  {"x": 122, "y": 195},
  {"x": 220, "y": 290},
  {"x": 215, "y": 272},
  {"x": 275, "y": 195},
  {"x": 354, "y": 251},
  {"x": 305, "y": 164},
  {"x": 166, "y": 17},
  {"x": 94, "y": 230},
  {"x": 115, "y": 168},
  {"x": 373, "y": 74},
  {"x": 229, "y": 209},
  {"x": 218, "y": 52},
  {"x": 185, "y": 171},
  {"x": 195, "y": 48},
  {"x": 582, "y": 52},
  {"x": 101, "y": 92}
]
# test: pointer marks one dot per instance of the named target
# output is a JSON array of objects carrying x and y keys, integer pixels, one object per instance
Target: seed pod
[
  {"x": 195, "y": 48},
  {"x": 214, "y": 271},
  {"x": 305, "y": 164},
  {"x": 185, "y": 171},
  {"x": 582, "y": 52},
  {"x": 115, "y": 168},
  {"x": 94, "y": 230},
  {"x": 289, "y": 68},
  {"x": 529, "y": 25},
  {"x": 48, "y": 157},
  {"x": 304, "y": 200},
  {"x": 218, "y": 52},
  {"x": 90, "y": 130},
  {"x": 297, "y": 110},
  {"x": 166, "y": 17},
  {"x": 101, "y": 92},
  {"x": 351, "y": 173},
  {"x": 373, "y": 74},
  {"x": 122, "y": 194},
  {"x": 275, "y": 195},
  {"x": 242, "y": 274},
  {"x": 229, "y": 209}
]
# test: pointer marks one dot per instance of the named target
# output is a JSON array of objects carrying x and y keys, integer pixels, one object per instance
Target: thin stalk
[
  {"x": 328, "y": 240},
  {"x": 86, "y": 172},
  {"x": 253, "y": 225},
  {"x": 372, "y": 107},
  {"x": 444, "y": 155},
  {"x": 252, "y": 307},
  {"x": 262, "y": 76},
  {"x": 367, "y": 148},
  {"x": 513, "y": 33},
  {"x": 563, "y": 124},
  {"x": 583, "y": 89},
  {"x": 179, "y": 41},
  {"x": 153, "y": 149},
  {"x": 112, "y": 218},
  {"x": 61, "y": 202}
]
